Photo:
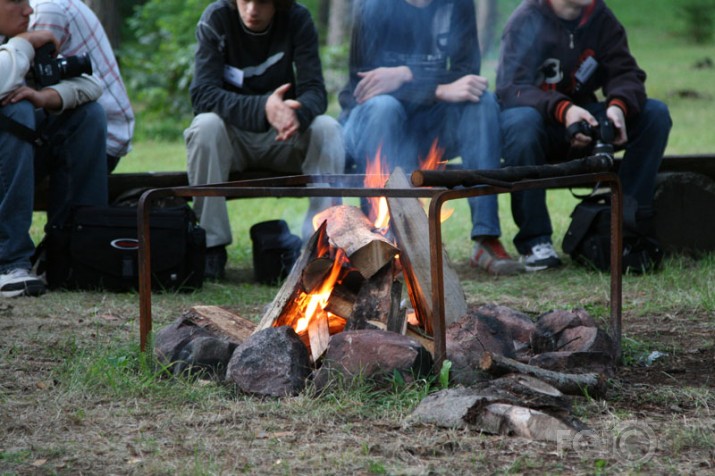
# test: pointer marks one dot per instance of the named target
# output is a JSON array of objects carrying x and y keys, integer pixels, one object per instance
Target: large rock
[
  {"x": 372, "y": 355},
  {"x": 170, "y": 340},
  {"x": 272, "y": 362}
]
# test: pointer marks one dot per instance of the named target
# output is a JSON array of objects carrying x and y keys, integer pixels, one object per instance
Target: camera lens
[{"x": 73, "y": 66}]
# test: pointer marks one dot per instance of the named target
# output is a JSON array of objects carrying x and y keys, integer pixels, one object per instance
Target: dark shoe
[
  {"x": 215, "y": 267},
  {"x": 490, "y": 255},
  {"x": 543, "y": 256},
  {"x": 20, "y": 282}
]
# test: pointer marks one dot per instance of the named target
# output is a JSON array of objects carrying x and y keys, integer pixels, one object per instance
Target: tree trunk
[
  {"x": 109, "y": 15},
  {"x": 487, "y": 16},
  {"x": 339, "y": 21}
]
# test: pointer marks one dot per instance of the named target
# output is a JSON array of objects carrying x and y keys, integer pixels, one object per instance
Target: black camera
[
  {"x": 603, "y": 134},
  {"x": 48, "y": 70}
]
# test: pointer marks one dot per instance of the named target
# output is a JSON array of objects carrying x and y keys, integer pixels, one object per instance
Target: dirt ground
[{"x": 656, "y": 419}]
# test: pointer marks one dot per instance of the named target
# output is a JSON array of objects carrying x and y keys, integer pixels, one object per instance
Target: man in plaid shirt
[{"x": 79, "y": 31}]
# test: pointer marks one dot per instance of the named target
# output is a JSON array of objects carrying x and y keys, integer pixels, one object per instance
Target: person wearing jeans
[
  {"x": 554, "y": 57},
  {"x": 414, "y": 82}
]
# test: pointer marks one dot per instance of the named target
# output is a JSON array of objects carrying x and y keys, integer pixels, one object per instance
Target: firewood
[
  {"x": 341, "y": 302},
  {"x": 409, "y": 223},
  {"x": 592, "y": 384},
  {"x": 222, "y": 322},
  {"x": 281, "y": 306},
  {"x": 374, "y": 300},
  {"x": 349, "y": 229},
  {"x": 318, "y": 336}
]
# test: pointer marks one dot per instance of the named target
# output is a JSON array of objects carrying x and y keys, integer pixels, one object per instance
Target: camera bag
[
  {"x": 98, "y": 249},
  {"x": 588, "y": 238}
]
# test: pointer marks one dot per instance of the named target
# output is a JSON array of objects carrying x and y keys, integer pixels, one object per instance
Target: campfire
[
  {"x": 352, "y": 271},
  {"x": 341, "y": 313}
]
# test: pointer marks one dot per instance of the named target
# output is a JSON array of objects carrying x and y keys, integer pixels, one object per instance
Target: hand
[
  {"x": 381, "y": 81},
  {"x": 281, "y": 113},
  {"x": 46, "y": 98},
  {"x": 615, "y": 114},
  {"x": 577, "y": 114},
  {"x": 38, "y": 38},
  {"x": 467, "y": 88}
]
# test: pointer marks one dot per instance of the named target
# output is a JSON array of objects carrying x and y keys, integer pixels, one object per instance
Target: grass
[{"x": 77, "y": 397}]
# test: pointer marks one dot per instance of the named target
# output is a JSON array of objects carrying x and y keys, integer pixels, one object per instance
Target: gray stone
[{"x": 272, "y": 362}]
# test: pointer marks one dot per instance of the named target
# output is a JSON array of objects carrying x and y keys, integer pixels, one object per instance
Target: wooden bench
[{"x": 684, "y": 198}]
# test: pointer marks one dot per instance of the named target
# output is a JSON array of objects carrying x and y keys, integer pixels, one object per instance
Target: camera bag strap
[{"x": 20, "y": 130}]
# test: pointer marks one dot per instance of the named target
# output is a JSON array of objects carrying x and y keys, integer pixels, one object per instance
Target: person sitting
[
  {"x": 73, "y": 129},
  {"x": 78, "y": 31},
  {"x": 258, "y": 96},
  {"x": 555, "y": 56},
  {"x": 414, "y": 78}
]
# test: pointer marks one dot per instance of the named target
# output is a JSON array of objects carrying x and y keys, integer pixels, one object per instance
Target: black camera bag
[
  {"x": 98, "y": 249},
  {"x": 588, "y": 238}
]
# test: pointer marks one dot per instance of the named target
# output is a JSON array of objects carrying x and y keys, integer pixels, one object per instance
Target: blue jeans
[
  {"x": 529, "y": 140},
  {"x": 74, "y": 158},
  {"x": 404, "y": 135}
]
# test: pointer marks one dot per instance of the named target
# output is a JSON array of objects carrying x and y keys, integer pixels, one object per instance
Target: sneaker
[
  {"x": 543, "y": 256},
  {"x": 490, "y": 255},
  {"x": 20, "y": 282},
  {"x": 215, "y": 264}
]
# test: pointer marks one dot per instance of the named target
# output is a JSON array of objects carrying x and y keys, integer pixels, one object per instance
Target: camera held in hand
[
  {"x": 603, "y": 134},
  {"x": 48, "y": 70}
]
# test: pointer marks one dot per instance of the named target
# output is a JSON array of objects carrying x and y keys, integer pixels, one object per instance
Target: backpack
[{"x": 588, "y": 238}]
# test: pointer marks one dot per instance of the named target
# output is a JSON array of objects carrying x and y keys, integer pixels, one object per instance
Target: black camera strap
[{"x": 21, "y": 131}]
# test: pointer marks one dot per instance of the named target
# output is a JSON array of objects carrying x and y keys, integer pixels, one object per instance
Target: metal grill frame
[{"x": 301, "y": 186}]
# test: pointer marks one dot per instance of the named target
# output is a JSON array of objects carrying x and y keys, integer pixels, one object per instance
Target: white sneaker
[
  {"x": 20, "y": 282},
  {"x": 543, "y": 256}
]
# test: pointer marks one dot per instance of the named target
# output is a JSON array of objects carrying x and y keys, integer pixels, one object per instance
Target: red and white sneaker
[{"x": 490, "y": 255}]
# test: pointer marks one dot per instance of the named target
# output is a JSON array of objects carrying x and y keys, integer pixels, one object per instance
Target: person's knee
[
  {"x": 522, "y": 127},
  {"x": 658, "y": 114},
  {"x": 22, "y": 112},
  {"x": 205, "y": 129}
]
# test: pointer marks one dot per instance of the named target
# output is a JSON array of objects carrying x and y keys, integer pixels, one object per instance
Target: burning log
[
  {"x": 408, "y": 221},
  {"x": 374, "y": 301},
  {"x": 284, "y": 301},
  {"x": 349, "y": 229},
  {"x": 571, "y": 384}
]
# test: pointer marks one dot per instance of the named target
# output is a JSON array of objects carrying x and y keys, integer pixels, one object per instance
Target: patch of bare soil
[{"x": 657, "y": 417}]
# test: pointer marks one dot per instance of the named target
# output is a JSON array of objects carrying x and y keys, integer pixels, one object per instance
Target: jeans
[
  {"x": 404, "y": 135},
  {"x": 529, "y": 140},
  {"x": 74, "y": 157}
]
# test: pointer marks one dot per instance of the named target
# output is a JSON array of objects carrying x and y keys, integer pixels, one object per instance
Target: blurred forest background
[{"x": 154, "y": 40}]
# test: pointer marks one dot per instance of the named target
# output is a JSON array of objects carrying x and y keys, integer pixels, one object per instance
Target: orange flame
[
  {"x": 434, "y": 161},
  {"x": 376, "y": 174},
  {"x": 315, "y": 302}
]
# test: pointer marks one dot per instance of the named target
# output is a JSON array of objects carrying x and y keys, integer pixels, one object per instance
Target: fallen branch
[{"x": 592, "y": 384}]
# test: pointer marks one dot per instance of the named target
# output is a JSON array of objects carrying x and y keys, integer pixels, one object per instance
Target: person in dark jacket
[
  {"x": 414, "y": 79},
  {"x": 258, "y": 96},
  {"x": 556, "y": 55}
]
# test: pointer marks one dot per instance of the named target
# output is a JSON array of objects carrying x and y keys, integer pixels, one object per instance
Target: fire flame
[
  {"x": 376, "y": 174},
  {"x": 315, "y": 302}
]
